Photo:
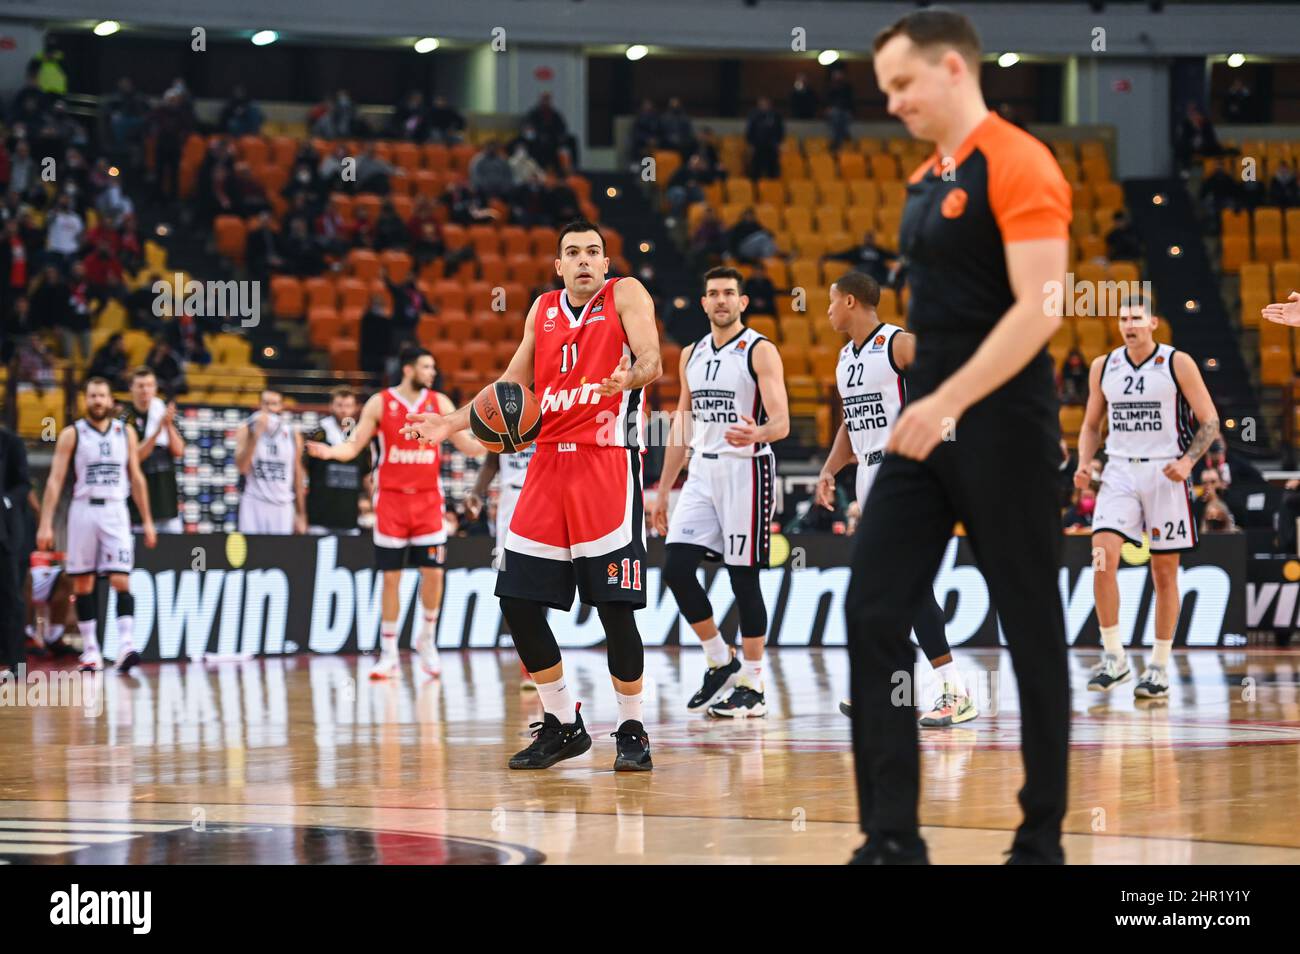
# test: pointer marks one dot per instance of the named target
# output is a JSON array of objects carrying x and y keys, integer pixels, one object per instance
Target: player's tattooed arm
[{"x": 1190, "y": 382}]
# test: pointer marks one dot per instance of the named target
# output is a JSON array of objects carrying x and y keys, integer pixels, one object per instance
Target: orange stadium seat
[
  {"x": 396, "y": 265},
  {"x": 286, "y": 296},
  {"x": 231, "y": 235}
]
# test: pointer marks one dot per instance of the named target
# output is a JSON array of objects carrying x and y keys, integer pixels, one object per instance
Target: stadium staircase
[{"x": 1207, "y": 334}]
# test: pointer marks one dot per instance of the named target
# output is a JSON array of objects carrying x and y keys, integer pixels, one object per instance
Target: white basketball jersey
[
  {"x": 271, "y": 476},
  {"x": 1148, "y": 415},
  {"x": 873, "y": 392},
  {"x": 100, "y": 462},
  {"x": 723, "y": 387},
  {"x": 514, "y": 467}
]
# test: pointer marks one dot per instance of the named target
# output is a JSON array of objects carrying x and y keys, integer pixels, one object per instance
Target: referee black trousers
[{"x": 998, "y": 477}]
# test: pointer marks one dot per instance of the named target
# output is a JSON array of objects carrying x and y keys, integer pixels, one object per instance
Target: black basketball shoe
[
  {"x": 745, "y": 702},
  {"x": 887, "y": 850},
  {"x": 717, "y": 680},
  {"x": 553, "y": 742},
  {"x": 128, "y": 662},
  {"x": 633, "y": 748}
]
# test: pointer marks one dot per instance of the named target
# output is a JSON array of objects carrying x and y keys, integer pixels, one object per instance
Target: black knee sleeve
[
  {"x": 680, "y": 564},
  {"x": 85, "y": 607},
  {"x": 929, "y": 625},
  {"x": 533, "y": 638},
  {"x": 749, "y": 600},
  {"x": 125, "y": 604},
  {"x": 622, "y": 641}
]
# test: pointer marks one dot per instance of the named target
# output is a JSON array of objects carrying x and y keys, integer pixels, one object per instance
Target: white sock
[
  {"x": 430, "y": 625},
  {"x": 629, "y": 707},
  {"x": 950, "y": 675},
  {"x": 557, "y": 701},
  {"x": 89, "y": 641},
  {"x": 751, "y": 673},
  {"x": 54, "y": 634},
  {"x": 125, "y": 630},
  {"x": 1160, "y": 652},
  {"x": 388, "y": 638},
  {"x": 716, "y": 651},
  {"x": 1111, "y": 641}
]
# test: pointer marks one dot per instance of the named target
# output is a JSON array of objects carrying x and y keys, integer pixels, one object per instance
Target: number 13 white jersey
[{"x": 873, "y": 392}]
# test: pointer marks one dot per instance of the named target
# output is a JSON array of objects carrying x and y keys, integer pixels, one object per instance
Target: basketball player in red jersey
[
  {"x": 587, "y": 351},
  {"x": 408, "y": 502}
]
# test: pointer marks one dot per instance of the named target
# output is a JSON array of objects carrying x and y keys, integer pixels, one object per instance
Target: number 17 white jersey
[
  {"x": 724, "y": 386},
  {"x": 872, "y": 390}
]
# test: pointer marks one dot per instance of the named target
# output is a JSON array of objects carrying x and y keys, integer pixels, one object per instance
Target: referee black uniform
[{"x": 997, "y": 476}]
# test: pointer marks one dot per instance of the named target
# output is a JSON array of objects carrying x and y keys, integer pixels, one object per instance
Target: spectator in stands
[
  {"x": 15, "y": 259},
  {"x": 113, "y": 203},
  {"x": 1238, "y": 106},
  {"x": 1251, "y": 193},
  {"x": 803, "y": 99},
  {"x": 868, "y": 258},
  {"x": 1122, "y": 242},
  {"x": 240, "y": 116},
  {"x": 687, "y": 184},
  {"x": 1210, "y": 490},
  {"x": 761, "y": 292},
  {"x": 1196, "y": 137},
  {"x": 839, "y": 108},
  {"x": 1078, "y": 519},
  {"x": 708, "y": 241},
  {"x": 409, "y": 304},
  {"x": 18, "y": 318},
  {"x": 171, "y": 123},
  {"x": 562, "y": 203},
  {"x": 427, "y": 245},
  {"x": 333, "y": 232},
  {"x": 299, "y": 252},
  {"x": 248, "y": 194},
  {"x": 127, "y": 113},
  {"x": 1283, "y": 190},
  {"x": 300, "y": 209},
  {"x": 76, "y": 326},
  {"x": 303, "y": 179},
  {"x": 35, "y": 363},
  {"x": 1218, "y": 192},
  {"x": 1072, "y": 382},
  {"x": 336, "y": 118},
  {"x": 676, "y": 130},
  {"x": 1289, "y": 514},
  {"x": 706, "y": 147},
  {"x": 490, "y": 173},
  {"x": 49, "y": 67},
  {"x": 748, "y": 241},
  {"x": 48, "y": 295},
  {"x": 23, "y": 172},
  {"x": 130, "y": 243},
  {"x": 1065, "y": 475},
  {"x": 522, "y": 164},
  {"x": 552, "y": 144},
  {"x": 362, "y": 232},
  {"x": 167, "y": 367},
  {"x": 376, "y": 334},
  {"x": 373, "y": 173},
  {"x": 764, "y": 131},
  {"x": 29, "y": 104},
  {"x": 1232, "y": 468},
  {"x": 410, "y": 118},
  {"x": 110, "y": 361},
  {"x": 446, "y": 124},
  {"x": 1218, "y": 519},
  {"x": 646, "y": 133},
  {"x": 185, "y": 338},
  {"x": 262, "y": 250},
  {"x": 465, "y": 206},
  {"x": 63, "y": 230},
  {"x": 103, "y": 270},
  {"x": 390, "y": 230}
]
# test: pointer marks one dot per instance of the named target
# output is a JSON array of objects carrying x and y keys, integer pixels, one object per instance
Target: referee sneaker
[{"x": 985, "y": 233}]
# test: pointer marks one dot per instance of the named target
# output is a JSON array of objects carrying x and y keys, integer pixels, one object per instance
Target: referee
[{"x": 985, "y": 231}]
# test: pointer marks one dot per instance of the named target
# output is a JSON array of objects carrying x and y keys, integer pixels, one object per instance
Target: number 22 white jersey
[{"x": 872, "y": 390}]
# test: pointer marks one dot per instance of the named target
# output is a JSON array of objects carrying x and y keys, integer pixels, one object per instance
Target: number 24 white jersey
[{"x": 1147, "y": 414}]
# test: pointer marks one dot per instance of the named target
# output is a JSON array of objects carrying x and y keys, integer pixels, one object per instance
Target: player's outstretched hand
[
  {"x": 742, "y": 435},
  {"x": 618, "y": 379},
  {"x": 427, "y": 428},
  {"x": 1284, "y": 312},
  {"x": 1177, "y": 470},
  {"x": 473, "y": 505},
  {"x": 659, "y": 513},
  {"x": 825, "y": 493},
  {"x": 318, "y": 449},
  {"x": 45, "y": 538}
]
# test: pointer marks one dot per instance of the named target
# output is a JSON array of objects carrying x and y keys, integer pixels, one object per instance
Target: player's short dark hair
[
  {"x": 143, "y": 371},
  {"x": 411, "y": 354},
  {"x": 342, "y": 391},
  {"x": 578, "y": 225},
  {"x": 935, "y": 27},
  {"x": 724, "y": 271},
  {"x": 97, "y": 379},
  {"x": 860, "y": 285}
]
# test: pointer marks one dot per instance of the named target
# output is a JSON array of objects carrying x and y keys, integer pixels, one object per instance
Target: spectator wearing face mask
[{"x": 1078, "y": 519}]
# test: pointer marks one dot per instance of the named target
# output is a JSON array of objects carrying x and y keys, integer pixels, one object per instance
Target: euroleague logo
[{"x": 954, "y": 203}]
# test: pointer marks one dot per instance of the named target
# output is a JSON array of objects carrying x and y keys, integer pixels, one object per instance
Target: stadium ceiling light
[
  {"x": 426, "y": 44},
  {"x": 1008, "y": 59},
  {"x": 827, "y": 57},
  {"x": 106, "y": 27},
  {"x": 637, "y": 51},
  {"x": 1236, "y": 59},
  {"x": 264, "y": 37}
]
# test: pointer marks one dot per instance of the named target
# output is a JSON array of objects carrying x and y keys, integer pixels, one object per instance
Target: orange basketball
[{"x": 505, "y": 417}]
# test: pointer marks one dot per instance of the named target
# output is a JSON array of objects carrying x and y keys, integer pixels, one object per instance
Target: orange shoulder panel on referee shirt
[{"x": 1028, "y": 193}]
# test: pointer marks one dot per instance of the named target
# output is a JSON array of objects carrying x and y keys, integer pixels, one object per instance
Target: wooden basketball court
[{"x": 302, "y": 759}]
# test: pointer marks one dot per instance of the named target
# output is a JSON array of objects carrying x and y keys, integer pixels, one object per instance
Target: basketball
[{"x": 505, "y": 417}]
